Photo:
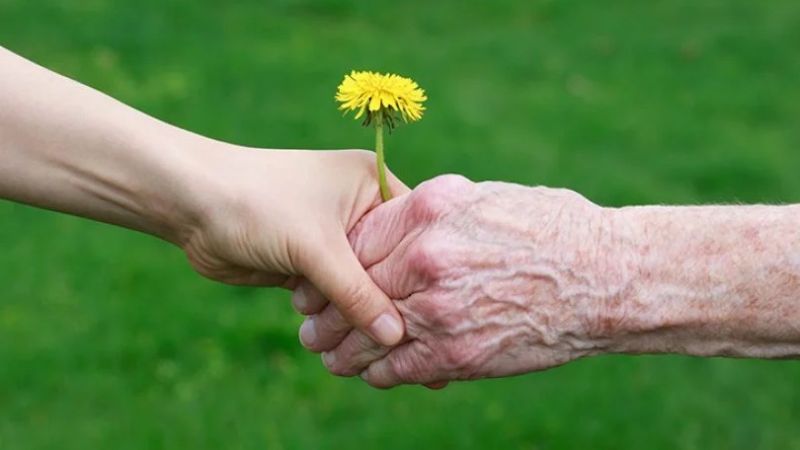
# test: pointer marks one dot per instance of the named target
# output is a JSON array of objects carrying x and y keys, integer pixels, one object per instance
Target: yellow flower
[
  {"x": 382, "y": 97},
  {"x": 385, "y": 93}
]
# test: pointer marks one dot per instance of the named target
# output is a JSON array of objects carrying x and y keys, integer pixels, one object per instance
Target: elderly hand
[{"x": 492, "y": 279}]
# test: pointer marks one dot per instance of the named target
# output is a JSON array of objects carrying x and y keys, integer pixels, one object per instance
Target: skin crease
[
  {"x": 242, "y": 215},
  {"x": 495, "y": 279}
]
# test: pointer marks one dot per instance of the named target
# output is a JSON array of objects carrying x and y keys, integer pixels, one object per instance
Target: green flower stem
[{"x": 380, "y": 159}]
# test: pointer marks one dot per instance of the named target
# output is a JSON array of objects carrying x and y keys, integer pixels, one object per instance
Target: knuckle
[
  {"x": 408, "y": 368},
  {"x": 357, "y": 350},
  {"x": 331, "y": 322},
  {"x": 434, "y": 197},
  {"x": 427, "y": 258},
  {"x": 338, "y": 368},
  {"x": 426, "y": 206},
  {"x": 306, "y": 299}
]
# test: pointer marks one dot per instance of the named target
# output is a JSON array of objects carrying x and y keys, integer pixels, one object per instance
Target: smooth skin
[
  {"x": 496, "y": 279},
  {"x": 242, "y": 215}
]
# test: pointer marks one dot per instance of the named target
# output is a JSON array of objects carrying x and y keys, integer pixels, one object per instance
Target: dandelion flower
[{"x": 380, "y": 99}]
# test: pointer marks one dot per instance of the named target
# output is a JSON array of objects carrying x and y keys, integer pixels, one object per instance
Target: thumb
[{"x": 337, "y": 274}]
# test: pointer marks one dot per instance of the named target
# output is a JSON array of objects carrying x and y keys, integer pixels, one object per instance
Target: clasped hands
[{"x": 452, "y": 281}]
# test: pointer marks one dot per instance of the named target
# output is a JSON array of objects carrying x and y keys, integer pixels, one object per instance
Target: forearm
[
  {"x": 715, "y": 280},
  {"x": 67, "y": 147}
]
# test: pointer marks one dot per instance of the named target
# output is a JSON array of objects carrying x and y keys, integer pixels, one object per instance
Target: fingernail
[
  {"x": 364, "y": 375},
  {"x": 328, "y": 358},
  {"x": 299, "y": 298},
  {"x": 308, "y": 332},
  {"x": 386, "y": 329}
]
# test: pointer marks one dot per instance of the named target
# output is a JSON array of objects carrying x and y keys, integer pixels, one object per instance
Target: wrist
[
  {"x": 656, "y": 311},
  {"x": 581, "y": 264},
  {"x": 183, "y": 184},
  {"x": 612, "y": 254},
  {"x": 711, "y": 280}
]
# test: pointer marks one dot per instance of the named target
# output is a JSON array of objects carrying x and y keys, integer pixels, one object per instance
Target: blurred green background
[{"x": 109, "y": 340}]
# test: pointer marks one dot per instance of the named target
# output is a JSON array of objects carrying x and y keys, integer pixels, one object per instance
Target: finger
[
  {"x": 437, "y": 385},
  {"x": 353, "y": 354},
  {"x": 338, "y": 275},
  {"x": 380, "y": 230},
  {"x": 405, "y": 270},
  {"x": 411, "y": 363},
  {"x": 307, "y": 300},
  {"x": 396, "y": 276},
  {"x": 324, "y": 331}
]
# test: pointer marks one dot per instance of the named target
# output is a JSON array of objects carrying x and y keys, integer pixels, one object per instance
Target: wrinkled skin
[{"x": 492, "y": 279}]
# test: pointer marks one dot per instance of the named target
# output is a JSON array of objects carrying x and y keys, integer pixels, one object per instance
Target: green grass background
[{"x": 108, "y": 340}]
